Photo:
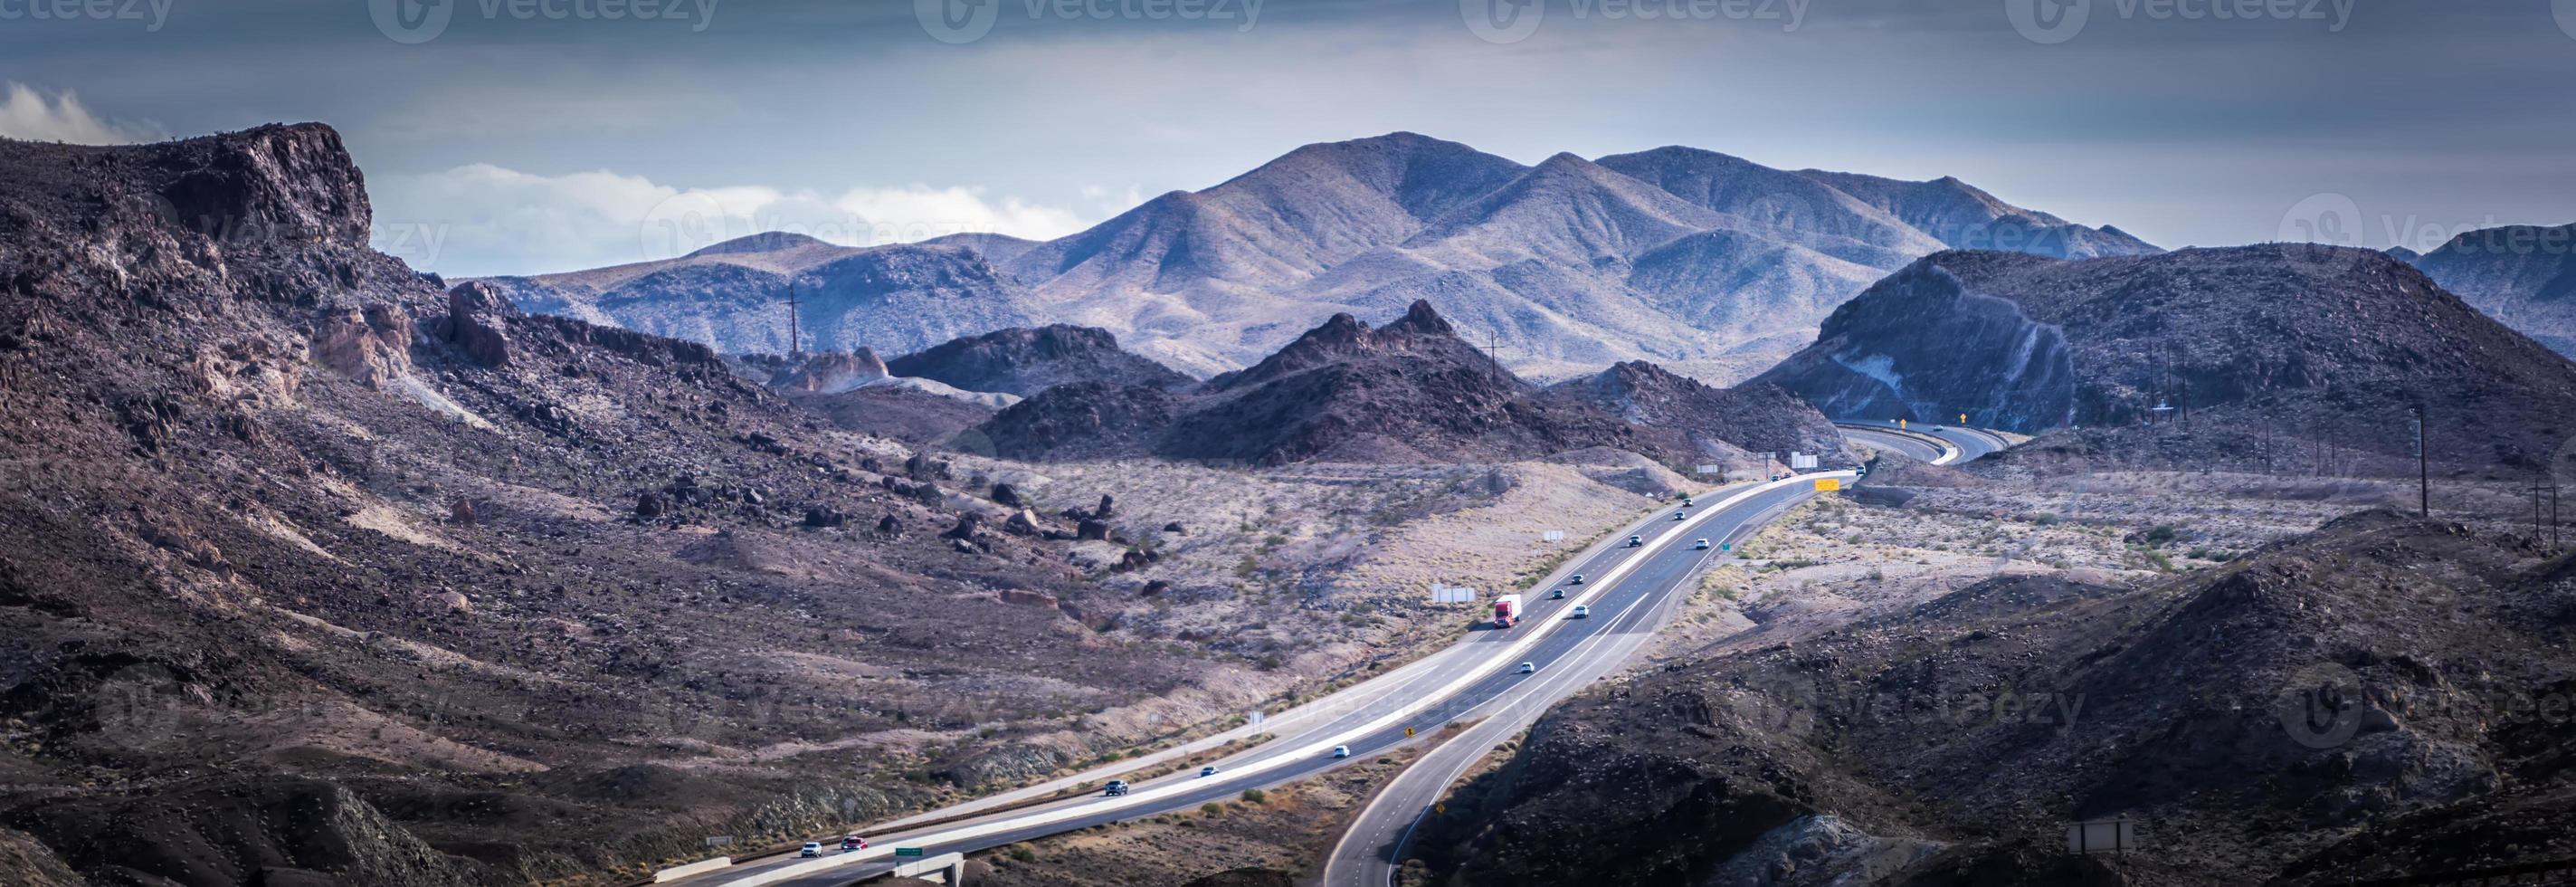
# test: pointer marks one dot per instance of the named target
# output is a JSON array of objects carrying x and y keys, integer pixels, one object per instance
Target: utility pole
[
  {"x": 795, "y": 341},
  {"x": 2423, "y": 467}
]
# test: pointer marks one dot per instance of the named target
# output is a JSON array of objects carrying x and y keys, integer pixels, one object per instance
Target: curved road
[
  {"x": 1630, "y": 592},
  {"x": 1373, "y": 848},
  {"x": 1933, "y": 443}
]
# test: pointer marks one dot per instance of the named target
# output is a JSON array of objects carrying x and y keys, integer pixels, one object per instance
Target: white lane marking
[
  {"x": 1472, "y": 674},
  {"x": 1391, "y": 794}
]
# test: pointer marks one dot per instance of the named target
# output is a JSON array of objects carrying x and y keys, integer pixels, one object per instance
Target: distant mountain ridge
[
  {"x": 1690, "y": 258},
  {"x": 2524, "y": 276}
]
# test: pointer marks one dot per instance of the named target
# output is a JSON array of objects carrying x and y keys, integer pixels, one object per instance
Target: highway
[
  {"x": 1374, "y": 847},
  {"x": 1630, "y": 592},
  {"x": 1934, "y": 443}
]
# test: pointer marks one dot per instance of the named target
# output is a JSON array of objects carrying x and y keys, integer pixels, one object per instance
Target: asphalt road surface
[
  {"x": 1630, "y": 592},
  {"x": 1375, "y": 845},
  {"x": 1934, "y": 443}
]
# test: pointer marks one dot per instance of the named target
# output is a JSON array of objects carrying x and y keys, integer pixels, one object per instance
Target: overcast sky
[{"x": 518, "y": 136}]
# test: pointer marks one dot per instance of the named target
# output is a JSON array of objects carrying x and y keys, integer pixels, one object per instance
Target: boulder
[
  {"x": 1092, "y": 529},
  {"x": 478, "y": 319},
  {"x": 1022, "y": 523},
  {"x": 1174, "y": 528},
  {"x": 650, "y": 505},
  {"x": 969, "y": 525},
  {"x": 889, "y": 526},
  {"x": 1008, "y": 496},
  {"x": 371, "y": 345},
  {"x": 822, "y": 516}
]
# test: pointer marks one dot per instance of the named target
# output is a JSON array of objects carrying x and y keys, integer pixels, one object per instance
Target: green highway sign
[{"x": 907, "y": 851}]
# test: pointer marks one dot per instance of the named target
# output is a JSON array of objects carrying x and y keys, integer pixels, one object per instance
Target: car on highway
[
  {"x": 1680, "y": 516},
  {"x": 811, "y": 848},
  {"x": 1341, "y": 751},
  {"x": 1634, "y": 541},
  {"x": 1116, "y": 788},
  {"x": 1528, "y": 667},
  {"x": 1686, "y": 501},
  {"x": 1577, "y": 580},
  {"x": 1581, "y": 611},
  {"x": 1558, "y": 595},
  {"x": 1699, "y": 545},
  {"x": 853, "y": 842},
  {"x": 1209, "y": 770}
]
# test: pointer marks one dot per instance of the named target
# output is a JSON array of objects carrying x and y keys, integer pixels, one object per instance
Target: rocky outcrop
[
  {"x": 1753, "y": 418},
  {"x": 2246, "y": 344},
  {"x": 478, "y": 322},
  {"x": 1025, "y": 361},
  {"x": 831, "y": 372},
  {"x": 371, "y": 345},
  {"x": 243, "y": 835}
]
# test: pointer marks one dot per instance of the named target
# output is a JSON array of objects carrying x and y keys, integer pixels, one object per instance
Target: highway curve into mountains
[
  {"x": 1375, "y": 845},
  {"x": 1630, "y": 591}
]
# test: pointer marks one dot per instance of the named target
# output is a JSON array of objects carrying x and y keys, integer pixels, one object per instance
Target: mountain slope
[
  {"x": 2330, "y": 343},
  {"x": 2521, "y": 275},
  {"x": 732, "y": 296},
  {"x": 1025, "y": 361},
  {"x": 312, "y": 572},
  {"x": 1687, "y": 258},
  {"x": 2330, "y": 708}
]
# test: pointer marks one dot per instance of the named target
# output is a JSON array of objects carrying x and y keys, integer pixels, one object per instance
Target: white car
[
  {"x": 1209, "y": 770},
  {"x": 1582, "y": 611},
  {"x": 1577, "y": 580},
  {"x": 1529, "y": 667},
  {"x": 811, "y": 848},
  {"x": 1635, "y": 541},
  {"x": 1686, "y": 502},
  {"x": 1699, "y": 545},
  {"x": 1341, "y": 751}
]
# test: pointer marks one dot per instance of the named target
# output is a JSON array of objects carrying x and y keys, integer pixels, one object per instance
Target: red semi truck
[{"x": 1507, "y": 610}]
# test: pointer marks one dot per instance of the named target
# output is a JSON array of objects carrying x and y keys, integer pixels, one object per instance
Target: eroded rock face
[
  {"x": 371, "y": 345},
  {"x": 1025, "y": 361},
  {"x": 831, "y": 372}
]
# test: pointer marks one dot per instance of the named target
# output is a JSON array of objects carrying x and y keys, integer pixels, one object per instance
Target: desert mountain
[
  {"x": 732, "y": 296},
  {"x": 1750, "y": 418},
  {"x": 1708, "y": 263},
  {"x": 1407, "y": 391},
  {"x": 2522, "y": 275},
  {"x": 2254, "y": 342},
  {"x": 456, "y": 594},
  {"x": 2352, "y": 704},
  {"x": 1025, "y": 361}
]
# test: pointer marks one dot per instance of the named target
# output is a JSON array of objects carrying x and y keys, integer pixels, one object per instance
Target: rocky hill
[
  {"x": 1697, "y": 260},
  {"x": 1410, "y": 390},
  {"x": 2361, "y": 702},
  {"x": 1025, "y": 361},
  {"x": 2250, "y": 346},
  {"x": 2522, "y": 275},
  {"x": 1752, "y": 419},
  {"x": 455, "y": 593}
]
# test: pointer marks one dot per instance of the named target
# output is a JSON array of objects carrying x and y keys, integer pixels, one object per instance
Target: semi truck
[{"x": 1507, "y": 610}]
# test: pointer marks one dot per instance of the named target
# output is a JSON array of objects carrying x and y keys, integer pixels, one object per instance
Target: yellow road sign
[
  {"x": 1900, "y": 423},
  {"x": 1408, "y": 731},
  {"x": 1828, "y": 484},
  {"x": 1963, "y": 418}
]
